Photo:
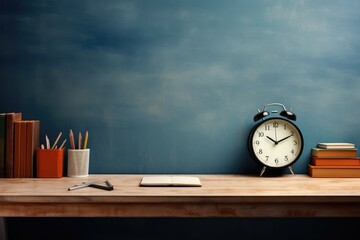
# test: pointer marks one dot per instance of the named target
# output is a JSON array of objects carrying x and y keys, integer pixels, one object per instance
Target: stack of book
[
  {"x": 18, "y": 141},
  {"x": 334, "y": 160}
]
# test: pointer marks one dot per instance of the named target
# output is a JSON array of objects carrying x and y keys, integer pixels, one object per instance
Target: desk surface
[{"x": 219, "y": 196}]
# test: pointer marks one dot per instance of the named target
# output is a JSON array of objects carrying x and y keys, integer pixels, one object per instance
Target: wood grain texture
[{"x": 219, "y": 196}]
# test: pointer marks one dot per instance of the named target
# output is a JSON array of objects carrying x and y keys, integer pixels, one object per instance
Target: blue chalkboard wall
[{"x": 172, "y": 86}]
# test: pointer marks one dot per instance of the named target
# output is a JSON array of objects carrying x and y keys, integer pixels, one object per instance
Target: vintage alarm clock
[{"x": 275, "y": 142}]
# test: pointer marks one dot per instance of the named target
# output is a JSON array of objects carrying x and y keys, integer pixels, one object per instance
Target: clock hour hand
[
  {"x": 284, "y": 138},
  {"x": 272, "y": 140}
]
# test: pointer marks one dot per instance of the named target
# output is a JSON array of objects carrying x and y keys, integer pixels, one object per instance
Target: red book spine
[{"x": 10, "y": 140}]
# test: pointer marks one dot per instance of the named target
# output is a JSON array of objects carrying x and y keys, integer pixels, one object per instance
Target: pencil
[
  {"x": 57, "y": 139},
  {"x": 80, "y": 139},
  {"x": 72, "y": 142},
  {"x": 86, "y": 139},
  {"x": 63, "y": 143},
  {"x": 47, "y": 142}
]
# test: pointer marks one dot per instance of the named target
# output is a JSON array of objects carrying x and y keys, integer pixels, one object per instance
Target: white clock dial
[{"x": 276, "y": 142}]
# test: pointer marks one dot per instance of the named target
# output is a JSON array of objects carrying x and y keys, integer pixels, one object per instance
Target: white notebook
[
  {"x": 170, "y": 181},
  {"x": 333, "y": 145}
]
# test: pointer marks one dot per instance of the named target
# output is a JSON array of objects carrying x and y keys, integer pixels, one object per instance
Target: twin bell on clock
[{"x": 275, "y": 142}]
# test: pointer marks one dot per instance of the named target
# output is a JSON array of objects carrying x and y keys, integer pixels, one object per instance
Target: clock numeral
[
  {"x": 276, "y": 160},
  {"x": 267, "y": 128},
  {"x": 275, "y": 124},
  {"x": 260, "y": 151},
  {"x": 292, "y": 151},
  {"x": 286, "y": 158},
  {"x": 295, "y": 142},
  {"x": 285, "y": 126},
  {"x": 292, "y": 133},
  {"x": 257, "y": 142},
  {"x": 266, "y": 158}
]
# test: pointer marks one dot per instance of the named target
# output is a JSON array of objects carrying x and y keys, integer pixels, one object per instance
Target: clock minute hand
[{"x": 284, "y": 138}]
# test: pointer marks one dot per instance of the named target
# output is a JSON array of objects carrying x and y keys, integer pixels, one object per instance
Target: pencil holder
[
  {"x": 78, "y": 162},
  {"x": 49, "y": 163}
]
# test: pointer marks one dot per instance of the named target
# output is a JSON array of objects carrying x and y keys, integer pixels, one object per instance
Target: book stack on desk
[
  {"x": 334, "y": 160},
  {"x": 18, "y": 140}
]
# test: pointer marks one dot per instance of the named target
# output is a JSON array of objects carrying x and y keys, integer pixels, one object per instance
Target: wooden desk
[{"x": 220, "y": 196}]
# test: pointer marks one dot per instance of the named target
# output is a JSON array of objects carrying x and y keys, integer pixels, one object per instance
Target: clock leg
[
  {"x": 291, "y": 170},
  {"x": 262, "y": 171}
]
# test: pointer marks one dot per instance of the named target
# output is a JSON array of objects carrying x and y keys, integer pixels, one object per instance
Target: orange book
[
  {"x": 334, "y": 171},
  {"x": 334, "y": 161},
  {"x": 2, "y": 144},
  {"x": 20, "y": 149},
  {"x": 333, "y": 153},
  {"x": 23, "y": 141},
  {"x": 17, "y": 146},
  {"x": 10, "y": 138},
  {"x": 32, "y": 143}
]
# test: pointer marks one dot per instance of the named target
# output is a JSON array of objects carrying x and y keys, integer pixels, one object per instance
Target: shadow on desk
[{"x": 182, "y": 228}]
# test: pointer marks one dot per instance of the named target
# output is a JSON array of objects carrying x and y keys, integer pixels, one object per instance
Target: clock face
[{"x": 276, "y": 142}]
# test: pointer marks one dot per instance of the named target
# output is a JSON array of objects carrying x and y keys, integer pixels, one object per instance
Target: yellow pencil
[{"x": 86, "y": 139}]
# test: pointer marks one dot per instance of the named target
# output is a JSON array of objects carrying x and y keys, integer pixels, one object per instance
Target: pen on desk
[
  {"x": 72, "y": 142},
  {"x": 109, "y": 184},
  {"x": 79, "y": 139},
  {"x": 84, "y": 184},
  {"x": 86, "y": 139},
  {"x": 57, "y": 139},
  {"x": 47, "y": 142}
]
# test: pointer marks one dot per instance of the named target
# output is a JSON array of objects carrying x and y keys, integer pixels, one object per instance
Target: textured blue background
[{"x": 172, "y": 86}]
